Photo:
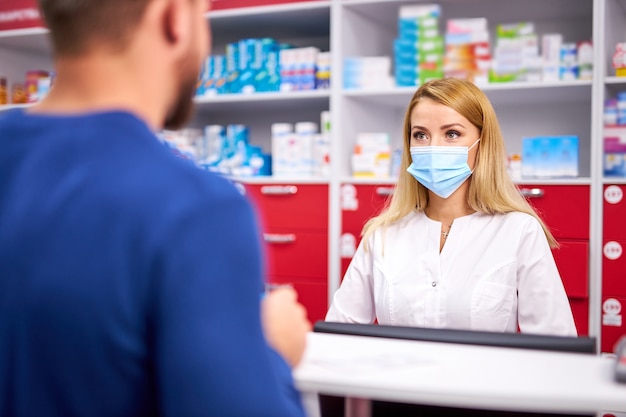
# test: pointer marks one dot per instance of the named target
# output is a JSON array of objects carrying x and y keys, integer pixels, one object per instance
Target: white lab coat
[{"x": 495, "y": 273}]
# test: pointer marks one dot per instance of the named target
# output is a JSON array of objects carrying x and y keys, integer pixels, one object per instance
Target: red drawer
[
  {"x": 614, "y": 268},
  {"x": 613, "y": 325},
  {"x": 572, "y": 259},
  {"x": 614, "y": 224},
  {"x": 564, "y": 208},
  {"x": 580, "y": 310},
  {"x": 359, "y": 203},
  {"x": 290, "y": 206},
  {"x": 312, "y": 295},
  {"x": 297, "y": 254}
]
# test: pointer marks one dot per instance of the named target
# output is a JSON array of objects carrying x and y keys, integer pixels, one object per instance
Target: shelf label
[
  {"x": 612, "y": 250},
  {"x": 613, "y": 194},
  {"x": 349, "y": 200},
  {"x": 611, "y": 309},
  {"x": 348, "y": 245},
  {"x": 20, "y": 14}
]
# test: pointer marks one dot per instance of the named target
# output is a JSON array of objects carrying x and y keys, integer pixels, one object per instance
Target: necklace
[{"x": 446, "y": 233}]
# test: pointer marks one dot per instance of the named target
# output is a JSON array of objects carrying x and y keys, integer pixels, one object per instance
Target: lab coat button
[{"x": 434, "y": 284}]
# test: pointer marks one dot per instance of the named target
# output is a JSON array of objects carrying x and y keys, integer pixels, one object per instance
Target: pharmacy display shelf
[
  {"x": 353, "y": 28},
  {"x": 503, "y": 93}
]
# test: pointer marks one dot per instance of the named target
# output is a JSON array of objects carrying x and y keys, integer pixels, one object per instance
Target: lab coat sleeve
[
  {"x": 211, "y": 357},
  {"x": 353, "y": 302},
  {"x": 543, "y": 307}
]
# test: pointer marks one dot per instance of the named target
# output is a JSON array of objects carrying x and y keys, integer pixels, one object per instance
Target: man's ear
[{"x": 175, "y": 24}]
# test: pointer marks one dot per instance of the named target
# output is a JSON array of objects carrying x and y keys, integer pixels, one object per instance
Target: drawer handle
[
  {"x": 532, "y": 192},
  {"x": 384, "y": 191},
  {"x": 279, "y": 189},
  {"x": 279, "y": 238}
]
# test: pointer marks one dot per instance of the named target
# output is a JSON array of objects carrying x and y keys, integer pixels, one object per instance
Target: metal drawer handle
[
  {"x": 279, "y": 238},
  {"x": 384, "y": 191},
  {"x": 279, "y": 189},
  {"x": 532, "y": 192}
]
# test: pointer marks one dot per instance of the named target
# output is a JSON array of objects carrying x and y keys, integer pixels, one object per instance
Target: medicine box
[{"x": 615, "y": 151}]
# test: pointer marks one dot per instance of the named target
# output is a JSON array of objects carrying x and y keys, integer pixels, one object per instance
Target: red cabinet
[
  {"x": 572, "y": 260},
  {"x": 359, "y": 202},
  {"x": 565, "y": 210},
  {"x": 613, "y": 266},
  {"x": 294, "y": 225}
]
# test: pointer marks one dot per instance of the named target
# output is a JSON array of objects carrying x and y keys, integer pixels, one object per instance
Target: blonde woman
[{"x": 457, "y": 245}]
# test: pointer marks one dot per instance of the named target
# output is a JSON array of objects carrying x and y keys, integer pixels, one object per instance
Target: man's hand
[{"x": 285, "y": 323}]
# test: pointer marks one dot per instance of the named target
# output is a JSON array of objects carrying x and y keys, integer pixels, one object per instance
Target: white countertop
[{"x": 454, "y": 375}]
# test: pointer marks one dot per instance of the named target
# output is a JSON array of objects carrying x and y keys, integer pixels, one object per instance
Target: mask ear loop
[
  {"x": 475, "y": 143},
  {"x": 470, "y": 148}
]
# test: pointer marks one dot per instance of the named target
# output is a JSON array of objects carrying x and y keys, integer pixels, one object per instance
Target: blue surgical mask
[{"x": 441, "y": 169}]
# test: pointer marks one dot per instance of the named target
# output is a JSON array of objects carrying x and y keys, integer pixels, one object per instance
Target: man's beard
[{"x": 182, "y": 110}]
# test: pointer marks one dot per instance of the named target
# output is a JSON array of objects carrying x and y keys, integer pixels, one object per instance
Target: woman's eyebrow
[{"x": 451, "y": 125}]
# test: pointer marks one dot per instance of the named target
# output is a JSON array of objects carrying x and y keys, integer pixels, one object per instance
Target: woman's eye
[
  {"x": 419, "y": 135},
  {"x": 453, "y": 134}
]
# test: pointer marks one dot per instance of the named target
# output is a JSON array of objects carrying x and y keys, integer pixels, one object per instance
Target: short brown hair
[{"x": 75, "y": 25}]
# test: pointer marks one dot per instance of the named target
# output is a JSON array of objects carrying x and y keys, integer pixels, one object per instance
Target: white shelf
[
  {"x": 266, "y": 101},
  {"x": 614, "y": 180},
  {"x": 615, "y": 80},
  {"x": 500, "y": 93},
  {"x": 279, "y": 180},
  {"x": 554, "y": 181},
  {"x": 539, "y": 182},
  {"x": 369, "y": 181},
  {"x": 33, "y": 40}
]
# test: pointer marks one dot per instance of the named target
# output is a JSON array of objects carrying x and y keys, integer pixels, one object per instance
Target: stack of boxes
[
  {"x": 299, "y": 150},
  {"x": 419, "y": 48},
  {"x": 615, "y": 136},
  {"x": 372, "y": 156},
  {"x": 363, "y": 73},
  {"x": 550, "y": 157},
  {"x": 298, "y": 68},
  {"x": 467, "y": 50},
  {"x": 619, "y": 59},
  {"x": 516, "y": 54},
  {"x": 264, "y": 65}
]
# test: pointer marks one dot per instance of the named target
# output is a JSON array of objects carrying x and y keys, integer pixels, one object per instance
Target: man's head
[
  {"x": 77, "y": 25},
  {"x": 172, "y": 33}
]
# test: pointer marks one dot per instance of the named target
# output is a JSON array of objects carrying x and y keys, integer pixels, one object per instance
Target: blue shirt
[{"x": 129, "y": 279}]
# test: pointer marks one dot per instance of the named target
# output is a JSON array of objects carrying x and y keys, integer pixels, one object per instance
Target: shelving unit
[{"x": 367, "y": 28}]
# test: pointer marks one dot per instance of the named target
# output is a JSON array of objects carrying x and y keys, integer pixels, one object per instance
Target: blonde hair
[{"x": 491, "y": 189}]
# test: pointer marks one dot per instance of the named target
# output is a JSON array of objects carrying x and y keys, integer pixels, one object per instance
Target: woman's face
[{"x": 433, "y": 124}]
